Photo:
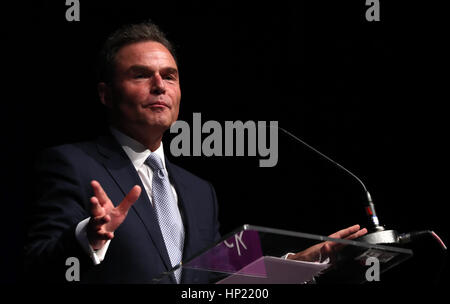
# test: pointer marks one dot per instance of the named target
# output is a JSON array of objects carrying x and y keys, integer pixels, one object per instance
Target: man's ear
[{"x": 105, "y": 94}]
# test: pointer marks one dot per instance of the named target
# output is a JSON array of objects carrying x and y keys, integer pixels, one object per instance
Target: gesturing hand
[
  {"x": 105, "y": 218},
  {"x": 327, "y": 249}
]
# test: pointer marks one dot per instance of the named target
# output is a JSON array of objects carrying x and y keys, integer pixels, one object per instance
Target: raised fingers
[
  {"x": 100, "y": 193},
  {"x": 130, "y": 199},
  {"x": 96, "y": 209}
]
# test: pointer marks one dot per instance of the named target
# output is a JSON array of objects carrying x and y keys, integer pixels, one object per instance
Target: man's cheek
[{"x": 175, "y": 114}]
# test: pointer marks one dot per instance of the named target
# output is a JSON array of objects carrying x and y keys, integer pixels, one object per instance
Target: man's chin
[
  {"x": 160, "y": 125},
  {"x": 158, "y": 120}
]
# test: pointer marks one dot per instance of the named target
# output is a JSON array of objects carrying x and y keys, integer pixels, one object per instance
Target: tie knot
[{"x": 154, "y": 161}]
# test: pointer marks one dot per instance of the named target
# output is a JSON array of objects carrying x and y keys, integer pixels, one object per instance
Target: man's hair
[{"x": 128, "y": 34}]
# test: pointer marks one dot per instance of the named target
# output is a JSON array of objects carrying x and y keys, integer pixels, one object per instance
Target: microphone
[{"x": 378, "y": 234}]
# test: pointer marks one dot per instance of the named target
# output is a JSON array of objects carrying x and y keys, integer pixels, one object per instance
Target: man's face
[{"x": 145, "y": 95}]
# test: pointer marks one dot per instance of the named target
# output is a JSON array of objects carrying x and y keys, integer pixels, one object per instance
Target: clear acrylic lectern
[{"x": 255, "y": 255}]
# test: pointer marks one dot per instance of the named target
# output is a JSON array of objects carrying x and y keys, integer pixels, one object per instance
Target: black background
[{"x": 371, "y": 95}]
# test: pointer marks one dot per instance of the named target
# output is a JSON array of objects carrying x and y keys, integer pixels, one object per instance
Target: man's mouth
[{"x": 157, "y": 104}]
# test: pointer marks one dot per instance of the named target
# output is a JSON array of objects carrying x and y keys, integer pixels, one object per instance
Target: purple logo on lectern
[{"x": 231, "y": 255}]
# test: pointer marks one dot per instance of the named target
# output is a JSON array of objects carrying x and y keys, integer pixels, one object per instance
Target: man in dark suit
[
  {"x": 95, "y": 199},
  {"x": 117, "y": 204}
]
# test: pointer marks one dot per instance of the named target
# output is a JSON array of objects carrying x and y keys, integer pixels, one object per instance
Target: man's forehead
[{"x": 145, "y": 53}]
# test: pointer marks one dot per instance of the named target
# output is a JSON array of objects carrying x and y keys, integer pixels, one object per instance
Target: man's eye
[{"x": 170, "y": 77}]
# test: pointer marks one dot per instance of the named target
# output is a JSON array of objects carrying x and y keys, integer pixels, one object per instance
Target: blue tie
[{"x": 167, "y": 212}]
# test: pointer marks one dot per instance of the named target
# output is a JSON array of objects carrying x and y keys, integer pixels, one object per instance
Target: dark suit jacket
[{"x": 137, "y": 253}]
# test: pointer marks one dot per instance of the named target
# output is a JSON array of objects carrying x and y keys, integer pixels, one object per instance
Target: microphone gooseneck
[
  {"x": 377, "y": 234},
  {"x": 370, "y": 207}
]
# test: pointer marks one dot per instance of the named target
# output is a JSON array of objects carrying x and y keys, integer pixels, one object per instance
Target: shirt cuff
[
  {"x": 284, "y": 257},
  {"x": 97, "y": 256},
  {"x": 319, "y": 260}
]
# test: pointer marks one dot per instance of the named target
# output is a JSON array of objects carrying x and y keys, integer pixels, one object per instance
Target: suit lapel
[{"x": 124, "y": 174}]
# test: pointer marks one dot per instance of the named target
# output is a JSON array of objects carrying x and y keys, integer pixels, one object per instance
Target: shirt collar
[{"x": 136, "y": 151}]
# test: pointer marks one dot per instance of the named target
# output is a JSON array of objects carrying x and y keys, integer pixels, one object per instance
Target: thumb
[{"x": 129, "y": 200}]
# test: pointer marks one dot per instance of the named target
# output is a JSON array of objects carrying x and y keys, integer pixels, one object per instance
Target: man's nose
[{"x": 158, "y": 86}]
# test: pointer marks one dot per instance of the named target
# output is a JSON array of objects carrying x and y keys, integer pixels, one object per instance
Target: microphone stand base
[{"x": 380, "y": 237}]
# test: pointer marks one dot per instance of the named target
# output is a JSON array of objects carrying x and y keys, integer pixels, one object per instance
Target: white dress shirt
[{"x": 137, "y": 153}]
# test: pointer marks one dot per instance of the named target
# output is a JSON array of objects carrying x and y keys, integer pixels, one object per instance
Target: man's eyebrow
[
  {"x": 143, "y": 68},
  {"x": 139, "y": 68},
  {"x": 170, "y": 70}
]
